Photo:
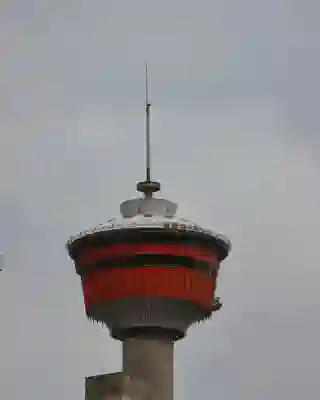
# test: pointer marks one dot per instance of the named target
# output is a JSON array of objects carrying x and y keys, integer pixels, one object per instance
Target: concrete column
[{"x": 152, "y": 361}]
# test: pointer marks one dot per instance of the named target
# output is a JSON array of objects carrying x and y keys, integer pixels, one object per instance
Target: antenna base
[{"x": 148, "y": 187}]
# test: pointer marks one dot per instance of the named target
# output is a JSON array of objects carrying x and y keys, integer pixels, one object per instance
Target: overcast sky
[{"x": 235, "y": 121}]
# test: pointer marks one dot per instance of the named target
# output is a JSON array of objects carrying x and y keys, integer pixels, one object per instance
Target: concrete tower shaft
[{"x": 150, "y": 359}]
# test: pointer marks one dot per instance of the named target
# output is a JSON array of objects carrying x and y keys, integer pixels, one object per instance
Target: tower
[{"x": 148, "y": 276}]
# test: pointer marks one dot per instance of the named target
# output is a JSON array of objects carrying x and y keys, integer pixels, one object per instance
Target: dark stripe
[
  {"x": 147, "y": 332},
  {"x": 121, "y": 250},
  {"x": 148, "y": 260}
]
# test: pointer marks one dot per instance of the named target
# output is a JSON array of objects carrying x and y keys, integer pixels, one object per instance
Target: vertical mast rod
[
  {"x": 148, "y": 105},
  {"x": 148, "y": 187}
]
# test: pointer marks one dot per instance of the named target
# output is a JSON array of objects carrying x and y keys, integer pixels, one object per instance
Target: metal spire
[
  {"x": 148, "y": 187},
  {"x": 148, "y": 106}
]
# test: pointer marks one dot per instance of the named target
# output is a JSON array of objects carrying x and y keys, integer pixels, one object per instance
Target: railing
[{"x": 177, "y": 226}]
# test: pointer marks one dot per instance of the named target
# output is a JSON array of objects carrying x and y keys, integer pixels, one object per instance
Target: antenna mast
[
  {"x": 148, "y": 187},
  {"x": 148, "y": 106}
]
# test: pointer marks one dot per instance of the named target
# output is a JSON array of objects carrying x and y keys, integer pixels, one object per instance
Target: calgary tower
[{"x": 148, "y": 276}]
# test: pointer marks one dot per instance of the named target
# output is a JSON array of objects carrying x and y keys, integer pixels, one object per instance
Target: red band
[{"x": 122, "y": 283}]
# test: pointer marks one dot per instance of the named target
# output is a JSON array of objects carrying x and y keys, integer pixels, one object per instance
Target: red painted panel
[
  {"x": 132, "y": 249},
  {"x": 122, "y": 283}
]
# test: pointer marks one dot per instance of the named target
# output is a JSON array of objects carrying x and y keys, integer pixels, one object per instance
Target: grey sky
[{"x": 235, "y": 123}]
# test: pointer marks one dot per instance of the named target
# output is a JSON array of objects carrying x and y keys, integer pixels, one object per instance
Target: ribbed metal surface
[
  {"x": 176, "y": 283},
  {"x": 167, "y": 314}
]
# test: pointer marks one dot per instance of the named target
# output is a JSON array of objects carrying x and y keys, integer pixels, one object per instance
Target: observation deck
[{"x": 149, "y": 271}]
